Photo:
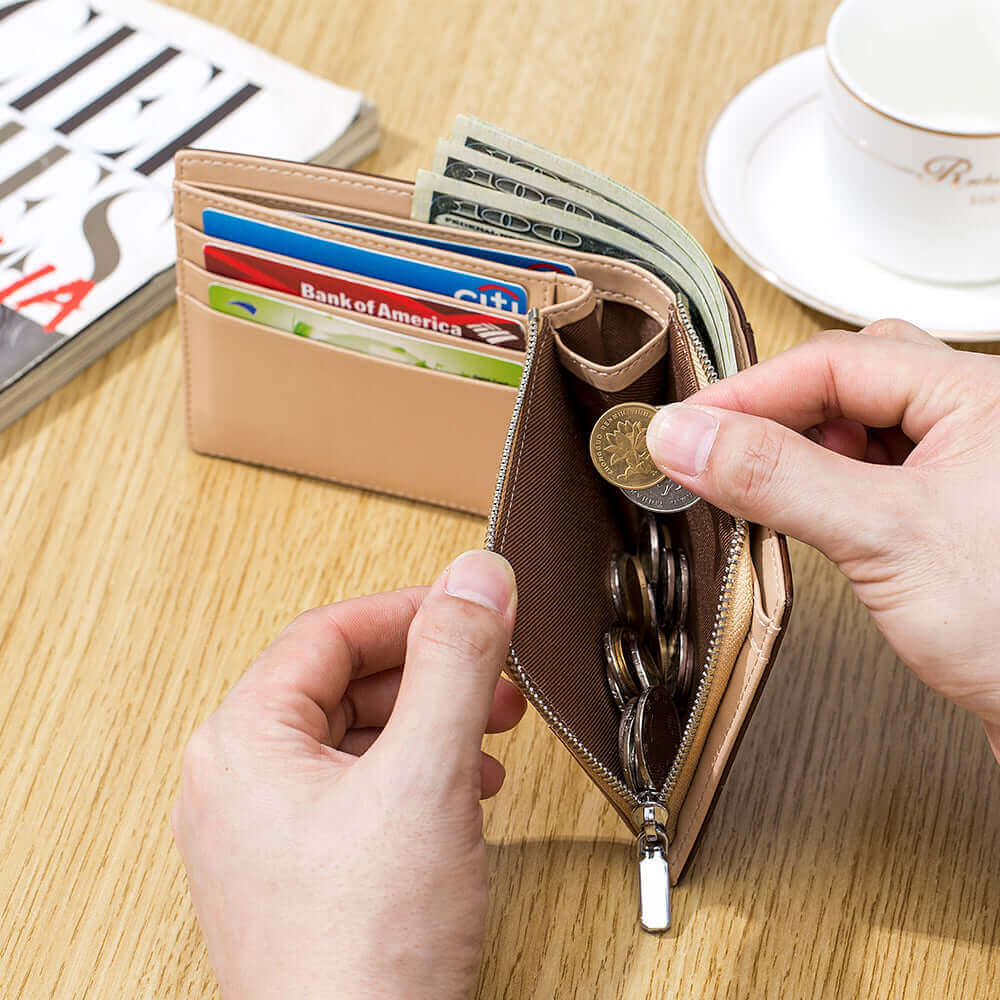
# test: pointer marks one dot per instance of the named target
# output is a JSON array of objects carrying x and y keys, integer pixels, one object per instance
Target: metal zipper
[{"x": 649, "y": 813}]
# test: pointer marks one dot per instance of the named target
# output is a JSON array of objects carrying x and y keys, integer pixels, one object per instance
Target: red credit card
[{"x": 366, "y": 300}]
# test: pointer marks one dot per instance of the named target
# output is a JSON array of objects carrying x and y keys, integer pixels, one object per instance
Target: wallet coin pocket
[{"x": 565, "y": 530}]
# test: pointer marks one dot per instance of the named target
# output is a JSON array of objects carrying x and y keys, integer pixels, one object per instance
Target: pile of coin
[{"x": 648, "y": 654}]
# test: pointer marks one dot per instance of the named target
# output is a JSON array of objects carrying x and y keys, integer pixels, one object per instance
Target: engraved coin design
[
  {"x": 657, "y": 736},
  {"x": 618, "y": 447}
]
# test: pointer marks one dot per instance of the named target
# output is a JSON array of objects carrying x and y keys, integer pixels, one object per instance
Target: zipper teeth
[
  {"x": 711, "y": 661},
  {"x": 529, "y": 357},
  {"x": 684, "y": 312},
  {"x": 593, "y": 764},
  {"x": 721, "y": 613}
]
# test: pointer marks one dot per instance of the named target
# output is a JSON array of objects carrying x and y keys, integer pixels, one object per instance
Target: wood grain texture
[{"x": 856, "y": 849}]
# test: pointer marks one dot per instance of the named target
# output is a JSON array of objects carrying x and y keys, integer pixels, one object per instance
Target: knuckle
[
  {"x": 462, "y": 635},
  {"x": 888, "y": 328},
  {"x": 200, "y": 757},
  {"x": 755, "y": 466},
  {"x": 824, "y": 338},
  {"x": 314, "y": 621},
  {"x": 318, "y": 631}
]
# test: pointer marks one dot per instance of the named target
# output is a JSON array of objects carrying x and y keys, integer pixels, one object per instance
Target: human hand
[
  {"x": 899, "y": 484},
  {"x": 329, "y": 814}
]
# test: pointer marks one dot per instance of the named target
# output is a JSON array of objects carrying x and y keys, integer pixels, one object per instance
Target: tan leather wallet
[{"x": 611, "y": 333}]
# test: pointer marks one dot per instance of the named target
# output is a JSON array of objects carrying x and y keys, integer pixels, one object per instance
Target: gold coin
[{"x": 618, "y": 447}]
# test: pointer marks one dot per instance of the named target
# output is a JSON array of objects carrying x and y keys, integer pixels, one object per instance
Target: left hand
[{"x": 329, "y": 814}]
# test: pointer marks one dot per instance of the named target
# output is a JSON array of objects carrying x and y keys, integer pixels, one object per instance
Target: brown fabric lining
[
  {"x": 560, "y": 524},
  {"x": 622, "y": 330}
]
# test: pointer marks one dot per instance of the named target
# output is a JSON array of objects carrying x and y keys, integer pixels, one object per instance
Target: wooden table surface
[{"x": 856, "y": 849}]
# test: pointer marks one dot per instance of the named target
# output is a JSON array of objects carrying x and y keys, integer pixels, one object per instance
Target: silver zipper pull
[{"x": 654, "y": 871}]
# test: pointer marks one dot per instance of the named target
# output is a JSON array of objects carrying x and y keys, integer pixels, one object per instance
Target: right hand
[{"x": 883, "y": 451}]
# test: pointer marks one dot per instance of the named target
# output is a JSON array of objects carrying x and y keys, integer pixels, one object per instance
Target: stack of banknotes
[
  {"x": 486, "y": 179},
  {"x": 461, "y": 321}
]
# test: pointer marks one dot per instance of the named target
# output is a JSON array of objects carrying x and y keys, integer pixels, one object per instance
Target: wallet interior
[{"x": 560, "y": 525}]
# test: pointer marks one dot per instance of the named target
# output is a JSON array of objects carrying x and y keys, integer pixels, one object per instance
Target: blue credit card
[
  {"x": 468, "y": 249},
  {"x": 505, "y": 295}
]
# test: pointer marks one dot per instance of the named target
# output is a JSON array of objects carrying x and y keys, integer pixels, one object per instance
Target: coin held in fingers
[{"x": 618, "y": 447}]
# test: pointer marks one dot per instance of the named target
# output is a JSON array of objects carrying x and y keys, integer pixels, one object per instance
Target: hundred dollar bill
[
  {"x": 492, "y": 141},
  {"x": 445, "y": 201},
  {"x": 687, "y": 273}
]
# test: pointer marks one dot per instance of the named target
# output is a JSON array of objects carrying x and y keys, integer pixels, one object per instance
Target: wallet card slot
[
  {"x": 196, "y": 282},
  {"x": 191, "y": 202},
  {"x": 191, "y": 244},
  {"x": 348, "y": 217},
  {"x": 271, "y": 398},
  {"x": 212, "y": 168}
]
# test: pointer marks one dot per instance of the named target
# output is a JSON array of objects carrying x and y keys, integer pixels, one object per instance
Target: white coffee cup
[{"x": 913, "y": 134}]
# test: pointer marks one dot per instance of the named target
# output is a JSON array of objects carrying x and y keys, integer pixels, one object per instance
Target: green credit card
[{"x": 351, "y": 335}]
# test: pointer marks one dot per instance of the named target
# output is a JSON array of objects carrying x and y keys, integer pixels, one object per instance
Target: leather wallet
[{"x": 610, "y": 333}]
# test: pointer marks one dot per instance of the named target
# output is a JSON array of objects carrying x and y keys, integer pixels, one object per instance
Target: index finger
[
  {"x": 879, "y": 382},
  {"x": 314, "y": 659}
]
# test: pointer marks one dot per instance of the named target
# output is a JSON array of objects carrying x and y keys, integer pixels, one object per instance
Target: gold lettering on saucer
[
  {"x": 956, "y": 171},
  {"x": 947, "y": 169}
]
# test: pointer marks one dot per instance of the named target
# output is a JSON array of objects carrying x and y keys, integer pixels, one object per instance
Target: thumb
[
  {"x": 456, "y": 646},
  {"x": 760, "y": 470}
]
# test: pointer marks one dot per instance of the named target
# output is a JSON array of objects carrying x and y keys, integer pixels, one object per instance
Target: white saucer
[{"x": 762, "y": 177}]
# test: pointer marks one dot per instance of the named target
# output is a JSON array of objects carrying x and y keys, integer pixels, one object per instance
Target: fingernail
[
  {"x": 484, "y": 578},
  {"x": 680, "y": 438}
]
